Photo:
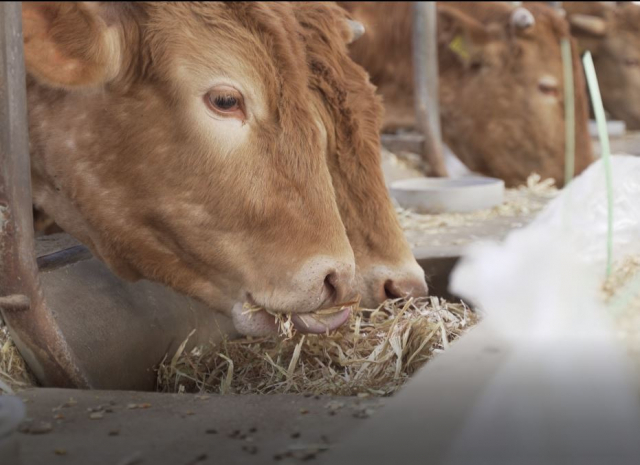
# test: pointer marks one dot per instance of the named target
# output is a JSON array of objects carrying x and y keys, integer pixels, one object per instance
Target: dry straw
[
  {"x": 14, "y": 374},
  {"x": 373, "y": 354}
]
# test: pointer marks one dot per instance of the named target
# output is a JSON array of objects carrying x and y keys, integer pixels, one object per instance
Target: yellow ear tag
[{"x": 457, "y": 47}]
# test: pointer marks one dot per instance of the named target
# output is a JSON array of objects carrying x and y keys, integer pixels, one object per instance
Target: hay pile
[
  {"x": 14, "y": 374},
  {"x": 374, "y": 354}
]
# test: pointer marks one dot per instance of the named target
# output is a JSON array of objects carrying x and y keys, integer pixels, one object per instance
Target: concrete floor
[{"x": 130, "y": 428}]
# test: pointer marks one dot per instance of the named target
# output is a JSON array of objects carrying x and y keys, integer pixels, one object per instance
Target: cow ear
[
  {"x": 460, "y": 33},
  {"x": 69, "y": 44},
  {"x": 589, "y": 31},
  {"x": 588, "y": 25}
]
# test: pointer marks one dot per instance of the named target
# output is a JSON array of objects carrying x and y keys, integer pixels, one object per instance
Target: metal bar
[
  {"x": 425, "y": 61},
  {"x": 32, "y": 325},
  {"x": 63, "y": 258}
]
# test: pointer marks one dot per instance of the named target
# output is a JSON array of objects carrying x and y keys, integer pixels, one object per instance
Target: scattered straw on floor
[
  {"x": 523, "y": 201},
  {"x": 408, "y": 160},
  {"x": 14, "y": 374},
  {"x": 374, "y": 354}
]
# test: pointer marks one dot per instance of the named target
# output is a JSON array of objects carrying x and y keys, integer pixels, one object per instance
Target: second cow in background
[
  {"x": 612, "y": 35},
  {"x": 501, "y": 83}
]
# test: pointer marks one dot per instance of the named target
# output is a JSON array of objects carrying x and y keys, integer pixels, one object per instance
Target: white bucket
[{"x": 446, "y": 195}]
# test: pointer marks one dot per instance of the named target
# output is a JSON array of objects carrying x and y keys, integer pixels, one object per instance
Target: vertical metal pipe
[
  {"x": 31, "y": 323},
  {"x": 425, "y": 65},
  {"x": 16, "y": 229}
]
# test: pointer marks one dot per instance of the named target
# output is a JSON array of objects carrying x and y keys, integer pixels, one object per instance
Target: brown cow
[
  {"x": 190, "y": 144},
  {"x": 612, "y": 34},
  {"x": 352, "y": 115},
  {"x": 501, "y": 83}
]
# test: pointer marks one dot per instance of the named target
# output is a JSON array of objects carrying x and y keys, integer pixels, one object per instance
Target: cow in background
[
  {"x": 501, "y": 83},
  {"x": 612, "y": 35}
]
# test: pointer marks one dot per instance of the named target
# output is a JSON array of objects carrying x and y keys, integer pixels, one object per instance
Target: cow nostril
[
  {"x": 405, "y": 287},
  {"x": 331, "y": 283},
  {"x": 391, "y": 291}
]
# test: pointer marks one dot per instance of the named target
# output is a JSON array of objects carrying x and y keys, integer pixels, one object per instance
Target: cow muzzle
[
  {"x": 319, "y": 299},
  {"x": 382, "y": 282},
  {"x": 258, "y": 322}
]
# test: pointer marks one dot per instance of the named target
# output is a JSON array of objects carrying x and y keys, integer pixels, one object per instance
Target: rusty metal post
[
  {"x": 425, "y": 65},
  {"x": 22, "y": 305}
]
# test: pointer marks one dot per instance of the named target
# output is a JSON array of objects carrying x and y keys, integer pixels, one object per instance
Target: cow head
[
  {"x": 502, "y": 90},
  {"x": 385, "y": 265},
  {"x": 183, "y": 143},
  {"x": 612, "y": 35}
]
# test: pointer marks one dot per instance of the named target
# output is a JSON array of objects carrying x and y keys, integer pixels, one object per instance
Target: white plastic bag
[{"x": 567, "y": 394}]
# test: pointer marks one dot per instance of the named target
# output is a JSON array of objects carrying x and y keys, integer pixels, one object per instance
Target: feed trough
[{"x": 442, "y": 195}]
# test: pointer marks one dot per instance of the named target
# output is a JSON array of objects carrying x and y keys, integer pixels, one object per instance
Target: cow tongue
[{"x": 318, "y": 323}]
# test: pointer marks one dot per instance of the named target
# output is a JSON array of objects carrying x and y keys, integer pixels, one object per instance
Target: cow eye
[
  {"x": 225, "y": 101},
  {"x": 548, "y": 85}
]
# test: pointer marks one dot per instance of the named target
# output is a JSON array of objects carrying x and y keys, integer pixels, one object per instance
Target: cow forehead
[
  {"x": 203, "y": 44},
  {"x": 545, "y": 36}
]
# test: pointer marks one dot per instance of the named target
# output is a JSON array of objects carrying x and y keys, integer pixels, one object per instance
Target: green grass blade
[{"x": 598, "y": 108}]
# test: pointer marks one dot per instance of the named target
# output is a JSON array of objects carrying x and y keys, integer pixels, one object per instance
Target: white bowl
[
  {"x": 446, "y": 195},
  {"x": 614, "y": 128}
]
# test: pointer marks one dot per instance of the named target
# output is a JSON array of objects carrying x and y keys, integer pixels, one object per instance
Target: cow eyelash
[{"x": 226, "y": 101}]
